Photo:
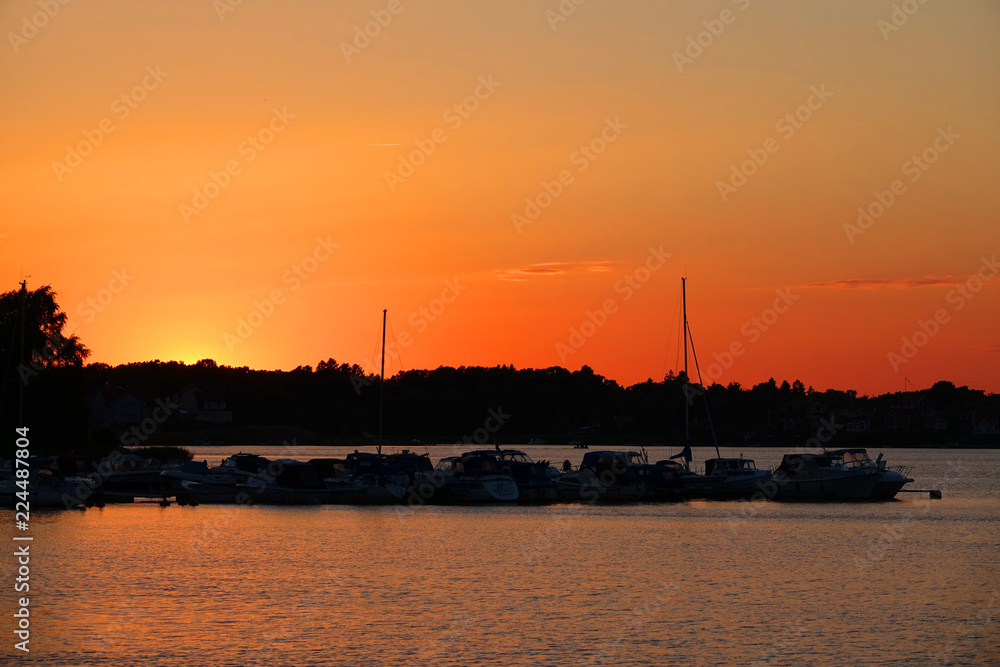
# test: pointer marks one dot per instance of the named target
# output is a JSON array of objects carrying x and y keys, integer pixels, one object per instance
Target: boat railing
[{"x": 902, "y": 470}]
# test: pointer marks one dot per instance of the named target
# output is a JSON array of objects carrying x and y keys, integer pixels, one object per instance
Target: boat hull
[
  {"x": 852, "y": 487},
  {"x": 193, "y": 492},
  {"x": 484, "y": 490},
  {"x": 358, "y": 492},
  {"x": 889, "y": 484},
  {"x": 574, "y": 488},
  {"x": 725, "y": 488}
]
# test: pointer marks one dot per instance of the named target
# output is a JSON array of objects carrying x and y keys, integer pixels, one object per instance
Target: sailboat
[
  {"x": 724, "y": 477},
  {"x": 377, "y": 479}
]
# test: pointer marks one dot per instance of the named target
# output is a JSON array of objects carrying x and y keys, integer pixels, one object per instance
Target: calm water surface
[{"x": 907, "y": 582}]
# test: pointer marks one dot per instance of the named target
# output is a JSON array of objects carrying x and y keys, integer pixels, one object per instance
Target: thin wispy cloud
[
  {"x": 546, "y": 269},
  {"x": 888, "y": 283}
]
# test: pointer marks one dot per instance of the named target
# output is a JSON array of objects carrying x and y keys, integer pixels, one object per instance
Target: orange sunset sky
[{"x": 168, "y": 164}]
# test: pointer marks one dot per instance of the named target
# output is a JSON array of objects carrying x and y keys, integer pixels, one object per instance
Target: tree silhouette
[
  {"x": 45, "y": 344},
  {"x": 49, "y": 377}
]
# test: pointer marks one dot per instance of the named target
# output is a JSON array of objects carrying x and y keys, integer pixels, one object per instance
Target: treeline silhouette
[{"x": 67, "y": 408}]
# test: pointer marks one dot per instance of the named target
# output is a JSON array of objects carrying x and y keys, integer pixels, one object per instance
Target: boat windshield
[
  {"x": 857, "y": 459},
  {"x": 731, "y": 466}
]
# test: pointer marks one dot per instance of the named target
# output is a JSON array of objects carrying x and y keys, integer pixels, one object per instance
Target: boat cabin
[
  {"x": 611, "y": 460},
  {"x": 473, "y": 465},
  {"x": 470, "y": 464},
  {"x": 853, "y": 458},
  {"x": 330, "y": 468},
  {"x": 296, "y": 475},
  {"x": 796, "y": 463},
  {"x": 673, "y": 465},
  {"x": 248, "y": 463},
  {"x": 514, "y": 456},
  {"x": 407, "y": 461},
  {"x": 729, "y": 467}
]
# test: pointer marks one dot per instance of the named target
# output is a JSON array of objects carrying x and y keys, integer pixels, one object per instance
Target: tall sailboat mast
[
  {"x": 687, "y": 380},
  {"x": 381, "y": 384}
]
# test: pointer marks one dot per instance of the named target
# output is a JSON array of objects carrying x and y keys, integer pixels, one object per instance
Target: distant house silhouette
[
  {"x": 119, "y": 406},
  {"x": 984, "y": 424},
  {"x": 200, "y": 405}
]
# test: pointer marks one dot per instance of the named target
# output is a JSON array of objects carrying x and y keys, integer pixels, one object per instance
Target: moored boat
[
  {"x": 42, "y": 488},
  {"x": 472, "y": 478},
  {"x": 243, "y": 467},
  {"x": 193, "y": 482},
  {"x": 823, "y": 477},
  {"x": 891, "y": 480},
  {"x": 605, "y": 476},
  {"x": 376, "y": 479},
  {"x": 725, "y": 478},
  {"x": 125, "y": 477},
  {"x": 291, "y": 483},
  {"x": 535, "y": 485}
]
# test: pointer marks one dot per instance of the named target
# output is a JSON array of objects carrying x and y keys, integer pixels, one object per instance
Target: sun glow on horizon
[{"x": 497, "y": 181}]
